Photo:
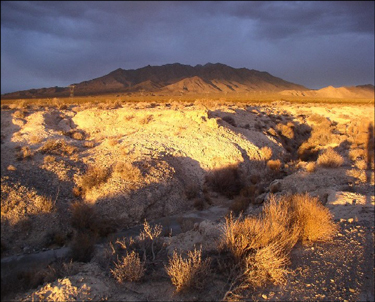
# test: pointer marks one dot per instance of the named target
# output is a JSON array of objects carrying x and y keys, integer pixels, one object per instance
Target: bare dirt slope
[{"x": 152, "y": 162}]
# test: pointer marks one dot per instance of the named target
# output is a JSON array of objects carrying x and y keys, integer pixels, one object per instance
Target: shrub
[
  {"x": 149, "y": 234},
  {"x": 198, "y": 203},
  {"x": 35, "y": 139},
  {"x": 146, "y": 119},
  {"x": 19, "y": 114},
  {"x": 313, "y": 219},
  {"x": 274, "y": 165},
  {"x": 268, "y": 264},
  {"x": 128, "y": 172},
  {"x": 129, "y": 268},
  {"x": 330, "y": 159},
  {"x": 286, "y": 130},
  {"x": 24, "y": 153},
  {"x": 83, "y": 217},
  {"x": 49, "y": 159},
  {"x": 94, "y": 176},
  {"x": 361, "y": 164},
  {"x": 83, "y": 246},
  {"x": 240, "y": 204},
  {"x": 89, "y": 144},
  {"x": 58, "y": 147},
  {"x": 356, "y": 153},
  {"x": 188, "y": 273},
  {"x": 310, "y": 167},
  {"x": 266, "y": 152},
  {"x": 191, "y": 191},
  {"x": 76, "y": 134},
  {"x": 260, "y": 245},
  {"x": 45, "y": 205},
  {"x": 113, "y": 142},
  {"x": 226, "y": 181}
]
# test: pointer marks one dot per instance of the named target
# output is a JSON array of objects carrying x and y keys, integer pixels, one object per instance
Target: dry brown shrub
[
  {"x": 109, "y": 105},
  {"x": 267, "y": 264},
  {"x": 45, "y": 205},
  {"x": 35, "y": 139},
  {"x": 129, "y": 268},
  {"x": 358, "y": 132},
  {"x": 260, "y": 245},
  {"x": 358, "y": 175},
  {"x": 49, "y": 159},
  {"x": 254, "y": 179},
  {"x": 83, "y": 217},
  {"x": 319, "y": 119},
  {"x": 354, "y": 154},
  {"x": 198, "y": 203},
  {"x": 128, "y": 172},
  {"x": 58, "y": 147},
  {"x": 148, "y": 238},
  {"x": 314, "y": 220},
  {"x": 249, "y": 191},
  {"x": 286, "y": 130},
  {"x": 129, "y": 117},
  {"x": 146, "y": 119},
  {"x": 310, "y": 167},
  {"x": 83, "y": 246},
  {"x": 226, "y": 181},
  {"x": 330, "y": 159},
  {"x": 274, "y": 165},
  {"x": 113, "y": 142},
  {"x": 266, "y": 153},
  {"x": 24, "y": 153},
  {"x": 94, "y": 176},
  {"x": 89, "y": 144},
  {"x": 239, "y": 204},
  {"x": 361, "y": 164},
  {"x": 192, "y": 191},
  {"x": 188, "y": 273},
  {"x": 78, "y": 135},
  {"x": 19, "y": 114}
]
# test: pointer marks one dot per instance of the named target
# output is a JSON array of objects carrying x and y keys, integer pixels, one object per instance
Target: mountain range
[{"x": 179, "y": 79}]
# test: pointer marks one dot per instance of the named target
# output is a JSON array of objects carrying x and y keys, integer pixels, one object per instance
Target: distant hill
[
  {"x": 360, "y": 91},
  {"x": 174, "y": 79}
]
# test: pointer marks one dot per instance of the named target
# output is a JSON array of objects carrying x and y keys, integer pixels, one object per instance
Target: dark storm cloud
[
  {"x": 310, "y": 43},
  {"x": 284, "y": 19}
]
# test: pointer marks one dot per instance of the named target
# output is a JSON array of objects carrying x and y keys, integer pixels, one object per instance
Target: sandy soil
[{"x": 169, "y": 149}]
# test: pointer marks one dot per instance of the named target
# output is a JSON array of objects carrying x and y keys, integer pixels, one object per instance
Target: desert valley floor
[{"x": 131, "y": 162}]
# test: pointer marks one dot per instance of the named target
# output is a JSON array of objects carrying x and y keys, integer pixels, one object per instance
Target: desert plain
[{"x": 87, "y": 185}]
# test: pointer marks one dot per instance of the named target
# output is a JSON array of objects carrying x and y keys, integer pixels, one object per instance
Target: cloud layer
[{"x": 314, "y": 44}]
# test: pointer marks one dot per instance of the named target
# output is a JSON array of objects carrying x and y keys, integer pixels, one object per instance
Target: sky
[{"x": 315, "y": 44}]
